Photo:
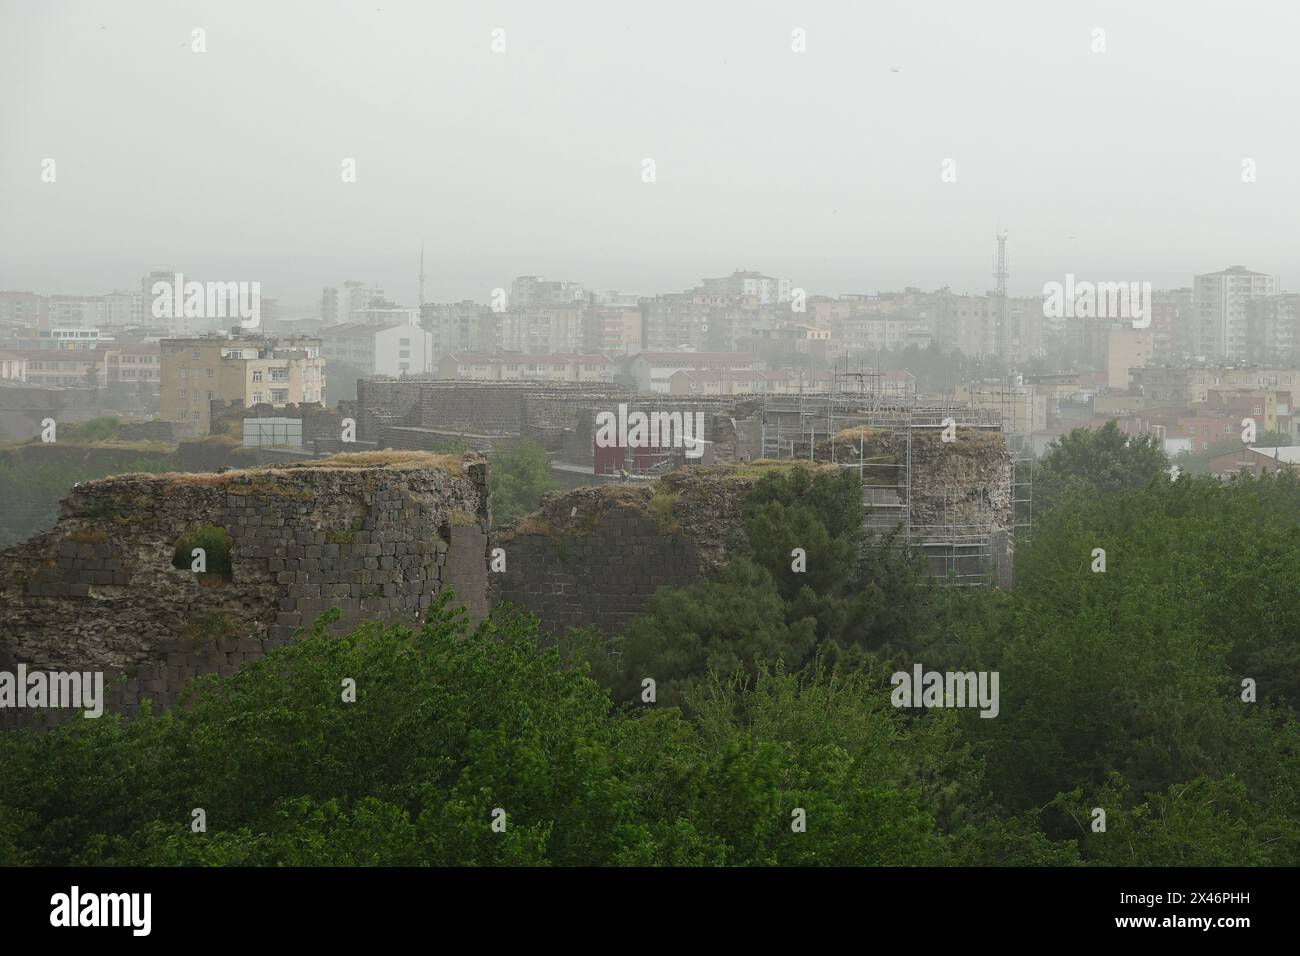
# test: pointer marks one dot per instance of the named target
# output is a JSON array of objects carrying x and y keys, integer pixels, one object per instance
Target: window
[
  {"x": 257, "y": 398},
  {"x": 209, "y": 373},
  {"x": 257, "y": 375},
  {"x": 403, "y": 342},
  {"x": 209, "y": 395},
  {"x": 279, "y": 395},
  {"x": 194, "y": 416},
  {"x": 279, "y": 375},
  {"x": 196, "y": 353}
]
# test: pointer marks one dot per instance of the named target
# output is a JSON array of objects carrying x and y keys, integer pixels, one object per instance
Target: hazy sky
[{"x": 822, "y": 166}]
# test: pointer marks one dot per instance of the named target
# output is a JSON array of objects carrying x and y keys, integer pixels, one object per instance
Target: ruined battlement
[
  {"x": 595, "y": 555},
  {"x": 378, "y": 535}
]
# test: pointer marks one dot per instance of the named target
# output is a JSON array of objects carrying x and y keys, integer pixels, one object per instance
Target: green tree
[
  {"x": 520, "y": 475},
  {"x": 1096, "y": 461}
]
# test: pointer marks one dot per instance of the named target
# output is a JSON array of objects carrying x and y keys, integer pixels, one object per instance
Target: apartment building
[
  {"x": 523, "y": 367},
  {"x": 248, "y": 369},
  {"x": 395, "y": 349},
  {"x": 13, "y": 368},
  {"x": 528, "y": 292},
  {"x": 763, "y": 290},
  {"x": 1273, "y": 329},
  {"x": 652, "y": 371},
  {"x": 1127, "y": 348},
  {"x": 337, "y": 303},
  {"x": 463, "y": 326},
  {"x": 1221, "y": 299},
  {"x": 64, "y": 368},
  {"x": 540, "y": 329}
]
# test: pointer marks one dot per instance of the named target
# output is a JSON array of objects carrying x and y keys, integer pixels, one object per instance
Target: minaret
[{"x": 1003, "y": 336}]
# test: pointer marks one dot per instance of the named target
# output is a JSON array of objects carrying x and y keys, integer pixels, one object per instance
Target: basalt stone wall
[
  {"x": 591, "y": 556},
  {"x": 595, "y": 555},
  {"x": 99, "y": 593}
]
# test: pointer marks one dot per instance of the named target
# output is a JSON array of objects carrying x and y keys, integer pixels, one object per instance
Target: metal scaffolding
[{"x": 897, "y": 507}]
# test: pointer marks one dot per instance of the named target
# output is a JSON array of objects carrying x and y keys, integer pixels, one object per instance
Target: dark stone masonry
[
  {"x": 595, "y": 555},
  {"x": 378, "y": 535}
]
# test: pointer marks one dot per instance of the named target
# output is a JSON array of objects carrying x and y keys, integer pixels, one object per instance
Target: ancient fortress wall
[
  {"x": 380, "y": 535},
  {"x": 595, "y": 555},
  {"x": 377, "y": 535}
]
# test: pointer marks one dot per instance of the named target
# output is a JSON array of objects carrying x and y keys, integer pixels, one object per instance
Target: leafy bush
[{"x": 214, "y": 541}]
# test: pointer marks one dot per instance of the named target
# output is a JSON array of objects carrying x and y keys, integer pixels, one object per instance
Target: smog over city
[{"x": 614, "y": 435}]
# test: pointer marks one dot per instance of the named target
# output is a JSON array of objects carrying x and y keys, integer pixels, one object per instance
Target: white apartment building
[
  {"x": 394, "y": 350},
  {"x": 339, "y": 302},
  {"x": 534, "y": 291},
  {"x": 1220, "y": 300},
  {"x": 653, "y": 371},
  {"x": 765, "y": 290},
  {"x": 521, "y": 367}
]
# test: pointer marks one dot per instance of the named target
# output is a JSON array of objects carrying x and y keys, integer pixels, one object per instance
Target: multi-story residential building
[
  {"x": 147, "y": 283},
  {"x": 339, "y": 302},
  {"x": 678, "y": 319},
  {"x": 385, "y": 315},
  {"x": 461, "y": 327},
  {"x": 872, "y": 332},
  {"x": 522, "y": 367},
  {"x": 75, "y": 311},
  {"x": 542, "y": 329},
  {"x": 1172, "y": 319},
  {"x": 136, "y": 366},
  {"x": 395, "y": 349},
  {"x": 65, "y": 368},
  {"x": 1220, "y": 299},
  {"x": 653, "y": 370},
  {"x": 969, "y": 323},
  {"x": 763, "y": 290},
  {"x": 120, "y": 308},
  {"x": 528, "y": 292},
  {"x": 1127, "y": 348},
  {"x": 13, "y": 368},
  {"x": 1273, "y": 329},
  {"x": 612, "y": 325},
  {"x": 1182, "y": 430},
  {"x": 250, "y": 369},
  {"x": 46, "y": 338},
  {"x": 1241, "y": 403},
  {"x": 23, "y": 310}
]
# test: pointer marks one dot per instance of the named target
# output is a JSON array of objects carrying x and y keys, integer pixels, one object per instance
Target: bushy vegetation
[
  {"x": 33, "y": 480},
  {"x": 1120, "y": 690},
  {"x": 520, "y": 475},
  {"x": 216, "y": 544}
]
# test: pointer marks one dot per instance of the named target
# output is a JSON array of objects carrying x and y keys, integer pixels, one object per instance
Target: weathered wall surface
[
  {"x": 595, "y": 555},
  {"x": 98, "y": 592},
  {"x": 591, "y": 556}
]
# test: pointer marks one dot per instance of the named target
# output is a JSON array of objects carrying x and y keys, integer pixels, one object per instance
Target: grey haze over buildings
[{"x": 822, "y": 166}]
